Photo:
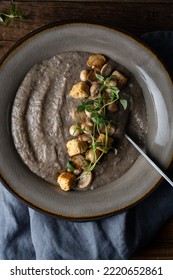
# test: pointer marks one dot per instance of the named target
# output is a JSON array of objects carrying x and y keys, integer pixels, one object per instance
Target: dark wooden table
[{"x": 136, "y": 17}]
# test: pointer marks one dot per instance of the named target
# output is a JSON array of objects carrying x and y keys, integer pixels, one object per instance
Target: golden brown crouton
[
  {"x": 75, "y": 147},
  {"x": 80, "y": 90},
  {"x": 66, "y": 180}
]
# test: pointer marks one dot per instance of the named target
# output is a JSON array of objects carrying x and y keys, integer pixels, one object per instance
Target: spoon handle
[{"x": 149, "y": 160}]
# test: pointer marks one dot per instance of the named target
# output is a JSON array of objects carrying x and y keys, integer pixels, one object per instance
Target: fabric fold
[{"x": 15, "y": 233}]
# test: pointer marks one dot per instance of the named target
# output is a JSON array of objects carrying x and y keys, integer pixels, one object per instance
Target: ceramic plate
[{"x": 156, "y": 84}]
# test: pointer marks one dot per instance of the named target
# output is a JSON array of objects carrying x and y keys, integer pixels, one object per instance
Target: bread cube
[
  {"x": 76, "y": 146},
  {"x": 80, "y": 90},
  {"x": 66, "y": 180}
]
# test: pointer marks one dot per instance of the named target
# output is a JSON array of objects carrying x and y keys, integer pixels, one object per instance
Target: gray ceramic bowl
[{"x": 156, "y": 84}]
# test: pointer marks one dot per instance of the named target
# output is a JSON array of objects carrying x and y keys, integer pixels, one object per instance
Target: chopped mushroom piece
[
  {"x": 121, "y": 79},
  {"x": 83, "y": 75},
  {"x": 66, "y": 180},
  {"x": 74, "y": 130},
  {"x": 96, "y": 60},
  {"x": 79, "y": 117},
  {"x": 89, "y": 122},
  {"x": 85, "y": 137},
  {"x": 92, "y": 156},
  {"x": 111, "y": 130},
  {"x": 85, "y": 180},
  {"x": 102, "y": 139},
  {"x": 86, "y": 128},
  {"x": 106, "y": 70},
  {"x": 79, "y": 161},
  {"x": 91, "y": 77},
  {"x": 95, "y": 90}
]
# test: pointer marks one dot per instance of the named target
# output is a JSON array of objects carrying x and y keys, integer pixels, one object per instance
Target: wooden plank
[
  {"x": 147, "y": 17},
  {"x": 155, "y": 251},
  {"x": 4, "y": 47},
  {"x": 114, "y": 1}
]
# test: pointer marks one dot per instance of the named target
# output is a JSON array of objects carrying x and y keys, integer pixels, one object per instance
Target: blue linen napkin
[{"x": 26, "y": 234}]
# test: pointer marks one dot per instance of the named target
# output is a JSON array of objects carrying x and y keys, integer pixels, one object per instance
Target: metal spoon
[{"x": 149, "y": 160}]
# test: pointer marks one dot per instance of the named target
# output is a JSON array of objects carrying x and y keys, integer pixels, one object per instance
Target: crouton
[
  {"x": 80, "y": 90},
  {"x": 66, "y": 180},
  {"x": 75, "y": 147}
]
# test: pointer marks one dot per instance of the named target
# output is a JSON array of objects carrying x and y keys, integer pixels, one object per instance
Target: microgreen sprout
[
  {"x": 124, "y": 103},
  {"x": 114, "y": 91},
  {"x": 70, "y": 166},
  {"x": 85, "y": 106},
  {"x": 100, "y": 121},
  {"x": 7, "y": 18},
  {"x": 100, "y": 77}
]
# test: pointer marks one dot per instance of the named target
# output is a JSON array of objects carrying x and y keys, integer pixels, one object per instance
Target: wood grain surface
[{"x": 136, "y": 17}]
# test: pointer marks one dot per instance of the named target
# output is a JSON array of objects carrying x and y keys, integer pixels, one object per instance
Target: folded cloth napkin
[{"x": 28, "y": 234}]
